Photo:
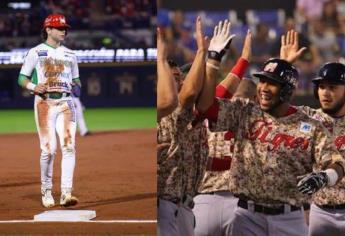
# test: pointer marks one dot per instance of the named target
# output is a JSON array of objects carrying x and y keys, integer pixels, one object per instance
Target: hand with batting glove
[
  {"x": 76, "y": 89},
  {"x": 220, "y": 41},
  {"x": 313, "y": 182}
]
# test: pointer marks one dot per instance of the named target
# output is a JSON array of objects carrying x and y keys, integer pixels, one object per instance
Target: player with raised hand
[
  {"x": 181, "y": 164},
  {"x": 166, "y": 85},
  {"x": 328, "y": 208},
  {"x": 215, "y": 204},
  {"x": 275, "y": 143},
  {"x": 54, "y": 74}
]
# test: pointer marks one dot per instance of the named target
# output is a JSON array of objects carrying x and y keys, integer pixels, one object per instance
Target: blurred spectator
[
  {"x": 325, "y": 40},
  {"x": 330, "y": 17},
  {"x": 104, "y": 16},
  {"x": 177, "y": 24},
  {"x": 261, "y": 45},
  {"x": 310, "y": 9}
]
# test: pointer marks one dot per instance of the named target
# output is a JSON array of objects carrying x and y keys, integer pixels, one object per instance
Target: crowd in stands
[
  {"x": 320, "y": 23},
  {"x": 114, "y": 16}
]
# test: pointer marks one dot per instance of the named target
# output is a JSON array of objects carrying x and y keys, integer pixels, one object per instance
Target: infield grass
[{"x": 97, "y": 119}]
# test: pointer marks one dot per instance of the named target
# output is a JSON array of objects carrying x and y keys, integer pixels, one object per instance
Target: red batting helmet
[{"x": 55, "y": 21}]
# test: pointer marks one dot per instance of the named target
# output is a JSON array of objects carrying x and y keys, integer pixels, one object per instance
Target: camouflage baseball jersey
[
  {"x": 269, "y": 152},
  {"x": 181, "y": 164},
  {"x": 336, "y": 126},
  {"x": 217, "y": 174},
  {"x": 195, "y": 154},
  {"x": 221, "y": 145}
]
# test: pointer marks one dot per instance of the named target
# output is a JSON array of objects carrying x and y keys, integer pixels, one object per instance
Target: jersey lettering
[
  {"x": 261, "y": 130},
  {"x": 339, "y": 141}
]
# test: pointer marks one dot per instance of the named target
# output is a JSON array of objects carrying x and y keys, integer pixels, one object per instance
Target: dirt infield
[{"x": 115, "y": 176}]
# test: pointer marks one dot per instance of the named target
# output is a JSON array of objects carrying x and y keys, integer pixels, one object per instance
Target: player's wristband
[
  {"x": 30, "y": 86},
  {"x": 240, "y": 68},
  {"x": 332, "y": 176},
  {"x": 214, "y": 55}
]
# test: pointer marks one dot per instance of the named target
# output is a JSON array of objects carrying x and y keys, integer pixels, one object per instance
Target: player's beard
[{"x": 332, "y": 111}]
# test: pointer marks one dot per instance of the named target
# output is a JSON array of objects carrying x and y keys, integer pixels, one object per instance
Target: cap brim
[
  {"x": 58, "y": 26},
  {"x": 318, "y": 80},
  {"x": 267, "y": 75}
]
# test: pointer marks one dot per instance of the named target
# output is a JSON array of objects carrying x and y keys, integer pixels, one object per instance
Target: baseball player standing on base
[
  {"x": 183, "y": 145},
  {"x": 54, "y": 74},
  {"x": 215, "y": 204},
  {"x": 275, "y": 144}
]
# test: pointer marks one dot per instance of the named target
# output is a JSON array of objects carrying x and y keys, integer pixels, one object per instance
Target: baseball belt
[
  {"x": 276, "y": 210},
  {"x": 332, "y": 207},
  {"x": 54, "y": 95}
]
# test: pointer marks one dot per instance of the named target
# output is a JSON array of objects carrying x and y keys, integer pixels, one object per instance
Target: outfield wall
[{"x": 124, "y": 84}]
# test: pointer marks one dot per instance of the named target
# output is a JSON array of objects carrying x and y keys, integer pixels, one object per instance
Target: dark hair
[
  {"x": 186, "y": 68},
  {"x": 172, "y": 63},
  {"x": 44, "y": 34}
]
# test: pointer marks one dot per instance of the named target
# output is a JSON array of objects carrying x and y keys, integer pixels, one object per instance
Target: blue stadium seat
[
  {"x": 272, "y": 18},
  {"x": 210, "y": 19},
  {"x": 341, "y": 43},
  {"x": 213, "y": 17},
  {"x": 190, "y": 16},
  {"x": 163, "y": 19}
]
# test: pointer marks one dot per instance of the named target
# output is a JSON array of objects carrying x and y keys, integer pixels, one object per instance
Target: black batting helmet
[
  {"x": 332, "y": 72},
  {"x": 282, "y": 72}
]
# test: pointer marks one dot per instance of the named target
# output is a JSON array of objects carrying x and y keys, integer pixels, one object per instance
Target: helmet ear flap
[
  {"x": 286, "y": 92},
  {"x": 316, "y": 94}
]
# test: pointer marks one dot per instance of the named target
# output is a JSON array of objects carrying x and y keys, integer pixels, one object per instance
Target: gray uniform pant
[
  {"x": 214, "y": 213},
  {"x": 326, "y": 222},
  {"x": 174, "y": 220},
  {"x": 248, "y": 223}
]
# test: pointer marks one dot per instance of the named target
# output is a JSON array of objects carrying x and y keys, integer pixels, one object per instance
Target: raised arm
[
  {"x": 289, "y": 47},
  {"x": 219, "y": 42},
  {"x": 194, "y": 80},
  {"x": 228, "y": 86},
  {"x": 166, "y": 84}
]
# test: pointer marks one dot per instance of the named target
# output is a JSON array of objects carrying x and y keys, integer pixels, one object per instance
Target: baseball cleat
[
  {"x": 47, "y": 198},
  {"x": 67, "y": 200}
]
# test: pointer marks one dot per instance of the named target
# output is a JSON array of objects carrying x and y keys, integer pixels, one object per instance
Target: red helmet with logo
[{"x": 55, "y": 21}]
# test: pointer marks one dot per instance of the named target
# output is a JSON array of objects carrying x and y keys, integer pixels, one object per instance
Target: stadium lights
[{"x": 19, "y": 5}]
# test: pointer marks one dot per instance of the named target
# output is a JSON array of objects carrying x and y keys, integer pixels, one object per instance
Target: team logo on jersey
[
  {"x": 264, "y": 132},
  {"x": 305, "y": 127},
  {"x": 42, "y": 53}
]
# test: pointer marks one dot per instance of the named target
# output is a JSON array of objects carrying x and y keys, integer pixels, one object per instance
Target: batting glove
[
  {"x": 76, "y": 90},
  {"x": 220, "y": 41},
  {"x": 313, "y": 182}
]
